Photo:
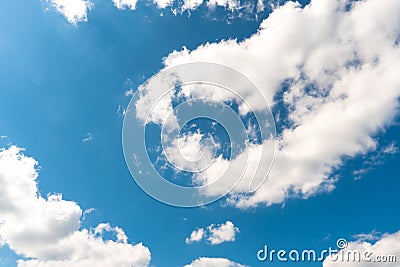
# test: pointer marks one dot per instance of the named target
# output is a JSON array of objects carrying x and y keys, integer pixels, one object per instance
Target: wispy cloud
[
  {"x": 88, "y": 138},
  {"x": 121, "y": 111},
  {"x": 86, "y": 213},
  {"x": 376, "y": 158},
  {"x": 129, "y": 92},
  {"x": 372, "y": 236}
]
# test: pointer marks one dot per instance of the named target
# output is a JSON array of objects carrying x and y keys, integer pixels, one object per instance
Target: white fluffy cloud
[
  {"x": 340, "y": 63},
  {"x": 73, "y": 10},
  {"x": 213, "y": 262},
  {"x": 215, "y": 234},
  {"x": 47, "y": 231},
  {"x": 124, "y": 4},
  {"x": 163, "y": 3},
  {"x": 188, "y": 153},
  {"x": 191, "y": 4},
  {"x": 388, "y": 245},
  {"x": 230, "y": 4},
  {"x": 222, "y": 233},
  {"x": 77, "y": 10},
  {"x": 195, "y": 236}
]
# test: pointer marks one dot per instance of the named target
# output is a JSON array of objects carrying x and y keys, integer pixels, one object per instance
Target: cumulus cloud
[
  {"x": 372, "y": 255},
  {"x": 213, "y": 262},
  {"x": 338, "y": 62},
  {"x": 188, "y": 152},
  {"x": 222, "y": 233},
  {"x": 195, "y": 236},
  {"x": 46, "y": 231},
  {"x": 214, "y": 234},
  {"x": 73, "y": 10}
]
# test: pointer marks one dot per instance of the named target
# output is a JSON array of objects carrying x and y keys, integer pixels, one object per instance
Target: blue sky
[{"x": 61, "y": 83}]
